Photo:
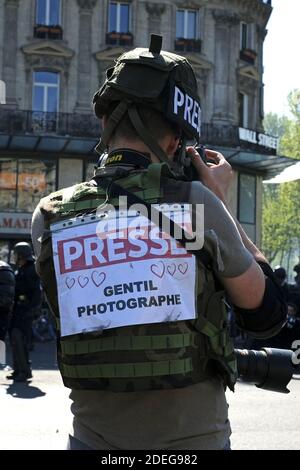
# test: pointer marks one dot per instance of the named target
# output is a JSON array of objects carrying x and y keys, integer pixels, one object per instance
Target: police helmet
[
  {"x": 24, "y": 250},
  {"x": 161, "y": 80}
]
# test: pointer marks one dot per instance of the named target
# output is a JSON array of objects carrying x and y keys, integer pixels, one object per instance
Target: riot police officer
[
  {"x": 7, "y": 295},
  {"x": 27, "y": 301}
]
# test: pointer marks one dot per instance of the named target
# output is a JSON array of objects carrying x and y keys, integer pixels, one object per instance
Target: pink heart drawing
[
  {"x": 98, "y": 278},
  {"x": 82, "y": 281},
  {"x": 182, "y": 268},
  {"x": 159, "y": 271},
  {"x": 171, "y": 268},
  {"x": 70, "y": 281}
]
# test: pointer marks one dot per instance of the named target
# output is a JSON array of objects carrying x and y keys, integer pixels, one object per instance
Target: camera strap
[
  {"x": 164, "y": 222},
  {"x": 124, "y": 157}
]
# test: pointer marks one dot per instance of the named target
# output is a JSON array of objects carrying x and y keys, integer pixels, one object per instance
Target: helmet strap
[
  {"x": 146, "y": 136},
  {"x": 112, "y": 122},
  {"x": 179, "y": 162}
]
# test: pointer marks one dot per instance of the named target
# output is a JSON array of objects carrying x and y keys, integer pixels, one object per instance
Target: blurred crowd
[{"x": 291, "y": 331}]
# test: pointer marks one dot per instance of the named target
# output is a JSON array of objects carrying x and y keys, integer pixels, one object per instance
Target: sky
[{"x": 281, "y": 55}]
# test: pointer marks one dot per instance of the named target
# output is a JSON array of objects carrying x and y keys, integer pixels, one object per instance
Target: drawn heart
[
  {"x": 82, "y": 281},
  {"x": 159, "y": 271},
  {"x": 171, "y": 268},
  {"x": 182, "y": 268},
  {"x": 98, "y": 278},
  {"x": 70, "y": 281}
]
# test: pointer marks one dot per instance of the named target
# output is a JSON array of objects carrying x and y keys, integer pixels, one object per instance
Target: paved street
[
  {"x": 265, "y": 420},
  {"x": 36, "y": 416}
]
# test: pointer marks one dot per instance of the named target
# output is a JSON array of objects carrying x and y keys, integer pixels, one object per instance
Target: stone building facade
[{"x": 53, "y": 54}]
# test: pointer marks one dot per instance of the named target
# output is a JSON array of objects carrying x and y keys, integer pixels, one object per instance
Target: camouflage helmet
[
  {"x": 24, "y": 250},
  {"x": 158, "y": 79}
]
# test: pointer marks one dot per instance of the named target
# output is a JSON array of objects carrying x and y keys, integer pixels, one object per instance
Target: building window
[
  {"x": 24, "y": 182},
  {"x": 45, "y": 91},
  {"x": 244, "y": 36},
  {"x": 119, "y": 18},
  {"x": 243, "y": 110},
  {"x": 48, "y": 22},
  {"x": 247, "y": 52},
  {"x": 45, "y": 101},
  {"x": 261, "y": 101},
  {"x": 186, "y": 24},
  {"x": 118, "y": 31},
  {"x": 187, "y": 34},
  {"x": 48, "y": 12},
  {"x": 247, "y": 204}
]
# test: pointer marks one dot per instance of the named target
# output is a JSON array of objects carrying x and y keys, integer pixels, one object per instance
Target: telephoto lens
[{"x": 269, "y": 368}]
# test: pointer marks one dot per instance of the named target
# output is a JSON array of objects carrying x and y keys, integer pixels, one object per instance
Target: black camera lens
[{"x": 269, "y": 368}]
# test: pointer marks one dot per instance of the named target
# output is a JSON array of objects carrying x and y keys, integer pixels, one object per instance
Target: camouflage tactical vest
[{"x": 141, "y": 357}]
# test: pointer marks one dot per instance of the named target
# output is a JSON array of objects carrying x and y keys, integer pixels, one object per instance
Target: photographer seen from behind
[{"x": 148, "y": 356}]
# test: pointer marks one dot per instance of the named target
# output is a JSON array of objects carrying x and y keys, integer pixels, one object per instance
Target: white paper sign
[{"x": 121, "y": 277}]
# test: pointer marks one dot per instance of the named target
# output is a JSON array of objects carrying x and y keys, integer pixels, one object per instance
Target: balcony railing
[
  {"x": 227, "y": 136},
  {"x": 37, "y": 122},
  {"x": 248, "y": 55},
  {"x": 119, "y": 39},
  {"x": 16, "y": 122},
  {"x": 231, "y": 136},
  {"x": 44, "y": 31},
  {"x": 187, "y": 45}
]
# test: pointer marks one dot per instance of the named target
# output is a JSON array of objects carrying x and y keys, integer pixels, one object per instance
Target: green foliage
[
  {"x": 277, "y": 126},
  {"x": 281, "y": 214},
  {"x": 291, "y": 138}
]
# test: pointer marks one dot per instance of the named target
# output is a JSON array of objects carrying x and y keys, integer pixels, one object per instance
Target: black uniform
[
  {"x": 7, "y": 295},
  {"x": 27, "y": 300}
]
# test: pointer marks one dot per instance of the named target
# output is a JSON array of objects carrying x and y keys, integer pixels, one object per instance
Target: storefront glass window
[
  {"x": 24, "y": 182},
  {"x": 89, "y": 171},
  {"x": 247, "y": 204},
  {"x": 8, "y": 183}
]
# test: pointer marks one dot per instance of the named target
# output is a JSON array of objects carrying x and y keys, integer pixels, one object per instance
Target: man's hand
[{"x": 216, "y": 176}]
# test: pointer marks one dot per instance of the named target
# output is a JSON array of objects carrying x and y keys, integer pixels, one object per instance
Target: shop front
[{"x": 25, "y": 179}]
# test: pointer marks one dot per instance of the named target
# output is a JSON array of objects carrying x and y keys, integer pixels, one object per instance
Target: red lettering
[
  {"x": 26, "y": 223},
  {"x": 18, "y": 224},
  {"x": 90, "y": 252},
  {"x": 7, "y": 223}
]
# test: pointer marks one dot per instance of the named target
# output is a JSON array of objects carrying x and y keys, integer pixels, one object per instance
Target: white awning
[{"x": 292, "y": 173}]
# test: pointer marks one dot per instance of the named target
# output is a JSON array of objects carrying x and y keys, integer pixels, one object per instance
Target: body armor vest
[{"x": 140, "y": 357}]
